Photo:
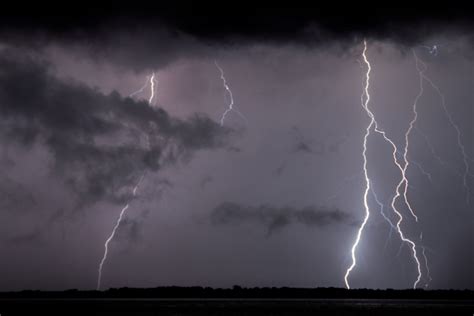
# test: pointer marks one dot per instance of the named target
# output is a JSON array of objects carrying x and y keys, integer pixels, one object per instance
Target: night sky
[{"x": 274, "y": 196}]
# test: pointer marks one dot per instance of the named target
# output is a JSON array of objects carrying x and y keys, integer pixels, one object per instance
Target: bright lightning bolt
[
  {"x": 149, "y": 82},
  {"x": 366, "y": 175},
  {"x": 230, "y": 106},
  {"x": 365, "y": 98},
  {"x": 152, "y": 88}
]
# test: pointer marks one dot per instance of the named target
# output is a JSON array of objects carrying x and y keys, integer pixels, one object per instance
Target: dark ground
[
  {"x": 237, "y": 301},
  {"x": 242, "y": 307}
]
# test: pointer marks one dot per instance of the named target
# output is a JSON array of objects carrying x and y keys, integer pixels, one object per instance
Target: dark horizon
[{"x": 236, "y": 291}]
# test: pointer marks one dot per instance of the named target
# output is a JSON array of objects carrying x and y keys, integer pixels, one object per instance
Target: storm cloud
[{"x": 101, "y": 140}]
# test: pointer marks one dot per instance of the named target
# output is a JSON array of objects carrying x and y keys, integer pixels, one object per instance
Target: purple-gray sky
[{"x": 273, "y": 200}]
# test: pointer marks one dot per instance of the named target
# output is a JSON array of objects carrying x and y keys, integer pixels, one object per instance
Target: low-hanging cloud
[{"x": 275, "y": 218}]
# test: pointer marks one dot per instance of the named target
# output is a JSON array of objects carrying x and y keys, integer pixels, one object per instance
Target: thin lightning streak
[
  {"x": 426, "y": 266},
  {"x": 428, "y": 274},
  {"x": 373, "y": 123},
  {"x": 230, "y": 106},
  {"x": 422, "y": 170},
  {"x": 140, "y": 90},
  {"x": 438, "y": 158},
  {"x": 431, "y": 147},
  {"x": 117, "y": 224},
  {"x": 448, "y": 115},
  {"x": 382, "y": 209},
  {"x": 388, "y": 220}
]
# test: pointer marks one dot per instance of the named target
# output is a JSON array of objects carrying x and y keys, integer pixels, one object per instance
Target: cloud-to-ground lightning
[
  {"x": 117, "y": 224},
  {"x": 366, "y": 175},
  {"x": 230, "y": 106},
  {"x": 403, "y": 183},
  {"x": 149, "y": 82},
  {"x": 365, "y": 99}
]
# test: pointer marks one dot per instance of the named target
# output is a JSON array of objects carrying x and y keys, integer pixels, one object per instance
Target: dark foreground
[
  {"x": 241, "y": 307},
  {"x": 239, "y": 301}
]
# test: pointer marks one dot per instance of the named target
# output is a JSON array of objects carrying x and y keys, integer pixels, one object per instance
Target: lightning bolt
[
  {"x": 364, "y": 155},
  {"x": 404, "y": 181},
  {"x": 430, "y": 146},
  {"x": 149, "y": 82},
  {"x": 117, "y": 224},
  {"x": 230, "y": 106},
  {"x": 365, "y": 99},
  {"x": 152, "y": 88}
]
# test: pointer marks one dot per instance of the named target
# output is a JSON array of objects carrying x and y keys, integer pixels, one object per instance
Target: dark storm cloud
[
  {"x": 100, "y": 140},
  {"x": 256, "y": 22},
  {"x": 158, "y": 34},
  {"x": 275, "y": 218}
]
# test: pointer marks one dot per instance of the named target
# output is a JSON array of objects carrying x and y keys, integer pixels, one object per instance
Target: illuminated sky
[{"x": 274, "y": 199}]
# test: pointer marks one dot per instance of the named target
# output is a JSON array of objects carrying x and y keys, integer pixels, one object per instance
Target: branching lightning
[
  {"x": 230, "y": 106},
  {"x": 365, "y": 98},
  {"x": 150, "y": 81}
]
